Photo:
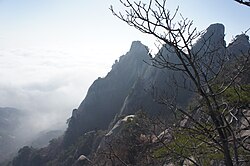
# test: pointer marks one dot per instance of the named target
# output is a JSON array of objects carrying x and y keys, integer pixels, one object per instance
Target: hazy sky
[{"x": 52, "y": 50}]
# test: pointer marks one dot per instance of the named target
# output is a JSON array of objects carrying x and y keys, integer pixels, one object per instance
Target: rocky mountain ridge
[{"x": 132, "y": 85}]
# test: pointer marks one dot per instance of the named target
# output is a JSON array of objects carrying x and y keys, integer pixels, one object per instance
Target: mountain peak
[
  {"x": 239, "y": 45},
  {"x": 216, "y": 28},
  {"x": 137, "y": 47},
  {"x": 136, "y": 43},
  {"x": 215, "y": 32},
  {"x": 241, "y": 39}
]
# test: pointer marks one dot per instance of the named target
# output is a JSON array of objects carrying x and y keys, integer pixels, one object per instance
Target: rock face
[
  {"x": 119, "y": 124},
  {"x": 150, "y": 87},
  {"x": 240, "y": 45},
  {"x": 106, "y": 95},
  {"x": 211, "y": 42},
  {"x": 132, "y": 85},
  {"x": 127, "y": 88}
]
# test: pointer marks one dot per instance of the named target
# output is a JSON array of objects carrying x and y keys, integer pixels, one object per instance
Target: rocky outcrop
[
  {"x": 106, "y": 95},
  {"x": 240, "y": 45},
  {"x": 132, "y": 84}
]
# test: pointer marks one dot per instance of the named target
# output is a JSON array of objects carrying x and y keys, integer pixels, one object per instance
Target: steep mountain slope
[
  {"x": 157, "y": 83},
  {"x": 239, "y": 45},
  {"x": 130, "y": 86},
  {"x": 106, "y": 95},
  {"x": 151, "y": 87}
]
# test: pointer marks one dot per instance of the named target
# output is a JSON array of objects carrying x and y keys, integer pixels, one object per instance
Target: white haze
[{"x": 46, "y": 84}]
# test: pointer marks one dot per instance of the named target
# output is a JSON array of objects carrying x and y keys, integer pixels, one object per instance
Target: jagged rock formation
[
  {"x": 106, "y": 95},
  {"x": 239, "y": 45},
  {"x": 133, "y": 84},
  {"x": 130, "y": 86}
]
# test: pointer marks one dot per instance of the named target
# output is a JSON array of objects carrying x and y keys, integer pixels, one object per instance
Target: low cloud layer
[{"x": 46, "y": 84}]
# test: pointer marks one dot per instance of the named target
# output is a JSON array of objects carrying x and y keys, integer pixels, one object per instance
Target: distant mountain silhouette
[{"x": 9, "y": 122}]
